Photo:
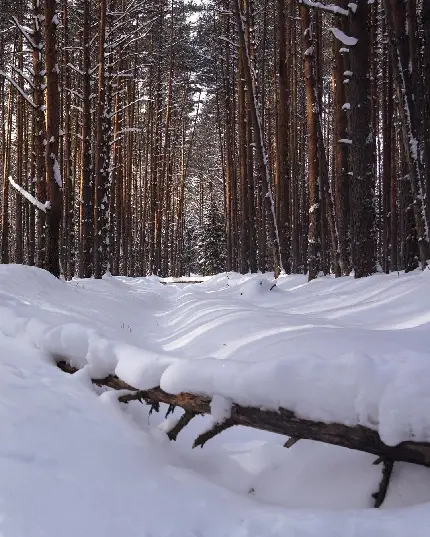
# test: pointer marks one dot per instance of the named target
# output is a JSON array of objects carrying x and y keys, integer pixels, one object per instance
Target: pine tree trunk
[
  {"x": 312, "y": 111},
  {"x": 101, "y": 186},
  {"x": 53, "y": 172},
  {"x": 259, "y": 140},
  {"x": 86, "y": 187},
  {"x": 395, "y": 11},
  {"x": 362, "y": 148},
  {"x": 341, "y": 177},
  {"x": 282, "y": 167}
]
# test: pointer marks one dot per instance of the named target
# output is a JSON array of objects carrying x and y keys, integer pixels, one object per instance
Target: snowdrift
[{"x": 73, "y": 461}]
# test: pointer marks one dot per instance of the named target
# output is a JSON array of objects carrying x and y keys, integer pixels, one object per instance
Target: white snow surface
[
  {"x": 74, "y": 461},
  {"x": 343, "y": 38}
]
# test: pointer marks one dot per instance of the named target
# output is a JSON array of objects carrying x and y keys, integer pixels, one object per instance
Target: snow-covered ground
[{"x": 73, "y": 461}]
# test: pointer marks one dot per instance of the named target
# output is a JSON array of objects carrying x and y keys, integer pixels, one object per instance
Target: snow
[
  {"x": 28, "y": 196},
  {"x": 325, "y": 7},
  {"x": 345, "y": 39},
  {"x": 57, "y": 171},
  {"x": 220, "y": 408},
  {"x": 75, "y": 462}
]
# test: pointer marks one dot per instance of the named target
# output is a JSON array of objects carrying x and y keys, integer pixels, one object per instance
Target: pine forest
[{"x": 177, "y": 137}]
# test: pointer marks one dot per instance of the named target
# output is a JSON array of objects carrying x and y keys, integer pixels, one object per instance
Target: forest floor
[{"x": 75, "y": 462}]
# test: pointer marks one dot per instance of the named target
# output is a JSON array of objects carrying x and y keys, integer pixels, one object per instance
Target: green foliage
[{"x": 211, "y": 242}]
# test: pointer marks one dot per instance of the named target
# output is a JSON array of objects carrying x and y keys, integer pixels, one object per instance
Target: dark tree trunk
[
  {"x": 362, "y": 148},
  {"x": 53, "y": 171}
]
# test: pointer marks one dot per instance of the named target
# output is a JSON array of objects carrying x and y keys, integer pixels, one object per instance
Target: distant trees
[
  {"x": 307, "y": 124},
  {"x": 211, "y": 247}
]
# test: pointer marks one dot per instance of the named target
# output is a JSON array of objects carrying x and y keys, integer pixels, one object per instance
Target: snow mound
[{"x": 74, "y": 461}]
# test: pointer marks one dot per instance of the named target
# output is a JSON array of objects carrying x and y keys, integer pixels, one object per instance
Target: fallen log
[{"x": 282, "y": 422}]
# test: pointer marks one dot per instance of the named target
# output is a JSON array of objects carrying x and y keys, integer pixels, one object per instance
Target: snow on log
[
  {"x": 336, "y": 10},
  {"x": 282, "y": 422}
]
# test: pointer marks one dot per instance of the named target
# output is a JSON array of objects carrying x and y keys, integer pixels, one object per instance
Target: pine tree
[{"x": 211, "y": 243}]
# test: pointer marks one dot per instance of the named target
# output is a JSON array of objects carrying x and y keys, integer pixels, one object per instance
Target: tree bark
[
  {"x": 259, "y": 141},
  {"x": 404, "y": 66},
  {"x": 314, "y": 180},
  {"x": 53, "y": 171},
  {"x": 361, "y": 153}
]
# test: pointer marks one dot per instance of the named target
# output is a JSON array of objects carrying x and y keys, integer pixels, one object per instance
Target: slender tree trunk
[
  {"x": 314, "y": 235},
  {"x": 341, "y": 177},
  {"x": 282, "y": 167},
  {"x": 101, "y": 187},
  {"x": 53, "y": 172},
  {"x": 395, "y": 11},
  {"x": 86, "y": 186},
  {"x": 39, "y": 133},
  {"x": 362, "y": 148},
  {"x": 259, "y": 140}
]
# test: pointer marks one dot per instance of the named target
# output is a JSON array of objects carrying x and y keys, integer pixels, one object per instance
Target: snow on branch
[
  {"x": 24, "y": 76},
  {"x": 330, "y": 8},
  {"x": 28, "y": 196},
  {"x": 19, "y": 89},
  {"x": 345, "y": 39},
  {"x": 26, "y": 33}
]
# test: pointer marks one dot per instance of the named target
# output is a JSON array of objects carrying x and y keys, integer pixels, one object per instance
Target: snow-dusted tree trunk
[
  {"x": 340, "y": 171},
  {"x": 53, "y": 172},
  {"x": 5, "y": 186},
  {"x": 404, "y": 66},
  {"x": 20, "y": 111},
  {"x": 86, "y": 187},
  {"x": 312, "y": 113},
  {"x": 242, "y": 142},
  {"x": 425, "y": 97},
  {"x": 282, "y": 175},
  {"x": 261, "y": 152},
  {"x": 67, "y": 246},
  {"x": 103, "y": 125},
  {"x": 39, "y": 131},
  {"x": 361, "y": 144}
]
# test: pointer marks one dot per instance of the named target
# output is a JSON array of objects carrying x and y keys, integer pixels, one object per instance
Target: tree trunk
[
  {"x": 341, "y": 177},
  {"x": 282, "y": 167},
  {"x": 259, "y": 140},
  {"x": 312, "y": 112},
  {"x": 395, "y": 12},
  {"x": 86, "y": 187},
  {"x": 53, "y": 172},
  {"x": 362, "y": 154}
]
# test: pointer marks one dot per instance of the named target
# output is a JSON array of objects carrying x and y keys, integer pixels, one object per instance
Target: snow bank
[
  {"x": 354, "y": 389},
  {"x": 242, "y": 338},
  {"x": 338, "y": 350}
]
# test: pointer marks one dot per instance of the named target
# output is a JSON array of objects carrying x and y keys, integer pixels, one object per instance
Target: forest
[
  {"x": 171, "y": 137},
  {"x": 214, "y": 232}
]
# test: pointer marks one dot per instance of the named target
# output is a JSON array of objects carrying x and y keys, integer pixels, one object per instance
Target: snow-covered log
[{"x": 282, "y": 422}]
